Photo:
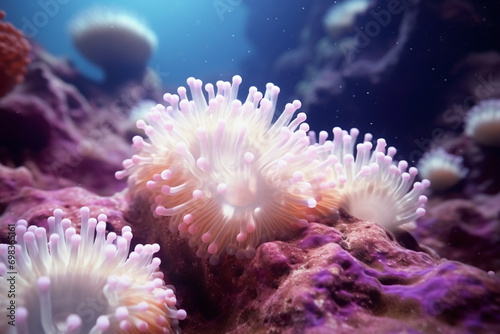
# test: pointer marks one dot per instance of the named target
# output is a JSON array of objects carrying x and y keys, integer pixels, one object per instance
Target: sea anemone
[
  {"x": 225, "y": 176},
  {"x": 482, "y": 123},
  {"x": 14, "y": 49},
  {"x": 76, "y": 282},
  {"x": 442, "y": 169},
  {"x": 370, "y": 185},
  {"x": 340, "y": 17},
  {"x": 114, "y": 40}
]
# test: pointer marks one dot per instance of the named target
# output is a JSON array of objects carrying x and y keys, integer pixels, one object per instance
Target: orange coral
[{"x": 14, "y": 50}]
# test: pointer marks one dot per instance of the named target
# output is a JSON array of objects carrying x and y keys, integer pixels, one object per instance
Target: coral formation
[
  {"x": 14, "y": 50},
  {"x": 465, "y": 230},
  {"x": 482, "y": 123},
  {"x": 225, "y": 176},
  {"x": 350, "y": 277},
  {"x": 68, "y": 134},
  {"x": 442, "y": 169},
  {"x": 114, "y": 40},
  {"x": 76, "y": 281}
]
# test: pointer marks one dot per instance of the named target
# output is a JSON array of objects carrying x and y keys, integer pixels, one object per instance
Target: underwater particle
[
  {"x": 227, "y": 178},
  {"x": 370, "y": 185},
  {"x": 76, "y": 282},
  {"x": 114, "y": 40},
  {"x": 340, "y": 18},
  {"x": 442, "y": 169},
  {"x": 14, "y": 49},
  {"x": 482, "y": 123}
]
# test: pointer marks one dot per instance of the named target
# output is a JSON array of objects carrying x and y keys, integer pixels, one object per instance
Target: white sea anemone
[
  {"x": 227, "y": 178},
  {"x": 370, "y": 185},
  {"x": 113, "y": 39},
  {"x": 482, "y": 123},
  {"x": 78, "y": 283},
  {"x": 442, "y": 169}
]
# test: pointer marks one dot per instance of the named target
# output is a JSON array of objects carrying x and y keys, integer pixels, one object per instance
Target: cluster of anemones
[
  {"x": 482, "y": 125},
  {"x": 228, "y": 178},
  {"x": 83, "y": 282}
]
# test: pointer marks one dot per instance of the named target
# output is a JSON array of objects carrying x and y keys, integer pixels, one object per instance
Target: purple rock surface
[
  {"x": 351, "y": 276},
  {"x": 20, "y": 200},
  {"x": 68, "y": 130}
]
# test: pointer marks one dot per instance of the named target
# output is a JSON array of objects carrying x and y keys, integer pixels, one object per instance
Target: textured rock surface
[
  {"x": 14, "y": 49},
  {"x": 19, "y": 200},
  {"x": 466, "y": 230},
  {"x": 349, "y": 277},
  {"x": 49, "y": 127},
  {"x": 68, "y": 130}
]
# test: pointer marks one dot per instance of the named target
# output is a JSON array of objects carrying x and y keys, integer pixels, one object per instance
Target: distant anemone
[
  {"x": 482, "y": 123},
  {"x": 227, "y": 178},
  {"x": 340, "y": 17},
  {"x": 114, "y": 40},
  {"x": 76, "y": 282},
  {"x": 443, "y": 170},
  {"x": 369, "y": 185}
]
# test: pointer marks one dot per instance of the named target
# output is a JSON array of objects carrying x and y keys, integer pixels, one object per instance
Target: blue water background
[{"x": 201, "y": 38}]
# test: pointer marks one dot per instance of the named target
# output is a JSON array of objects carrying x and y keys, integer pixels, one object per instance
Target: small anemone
[
  {"x": 78, "y": 282},
  {"x": 442, "y": 169},
  {"x": 340, "y": 17},
  {"x": 370, "y": 185},
  {"x": 482, "y": 123},
  {"x": 114, "y": 40}
]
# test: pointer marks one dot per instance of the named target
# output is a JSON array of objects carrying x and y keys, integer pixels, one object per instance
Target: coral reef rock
[
  {"x": 14, "y": 49},
  {"x": 349, "y": 277}
]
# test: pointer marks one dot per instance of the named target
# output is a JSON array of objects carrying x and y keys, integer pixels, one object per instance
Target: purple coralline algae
[{"x": 350, "y": 276}]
